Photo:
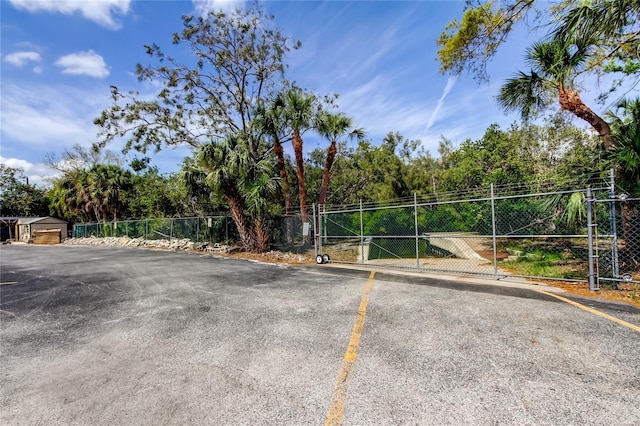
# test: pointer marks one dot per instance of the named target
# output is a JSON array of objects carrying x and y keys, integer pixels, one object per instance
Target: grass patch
[{"x": 541, "y": 263}]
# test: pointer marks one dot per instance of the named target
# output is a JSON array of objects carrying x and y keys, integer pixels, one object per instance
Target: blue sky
[{"x": 59, "y": 58}]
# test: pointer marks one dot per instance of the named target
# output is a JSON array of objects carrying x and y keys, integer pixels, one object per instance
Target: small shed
[{"x": 41, "y": 230}]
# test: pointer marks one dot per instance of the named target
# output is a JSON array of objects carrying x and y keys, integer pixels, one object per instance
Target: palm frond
[
  {"x": 559, "y": 60},
  {"x": 525, "y": 93},
  {"x": 576, "y": 210},
  {"x": 599, "y": 19}
]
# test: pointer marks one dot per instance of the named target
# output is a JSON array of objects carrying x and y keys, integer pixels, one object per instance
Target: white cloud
[
  {"x": 44, "y": 118},
  {"x": 205, "y": 6},
  {"x": 21, "y": 58},
  {"x": 40, "y": 119},
  {"x": 451, "y": 81},
  {"x": 380, "y": 112},
  {"x": 39, "y": 174},
  {"x": 99, "y": 11},
  {"x": 83, "y": 63}
]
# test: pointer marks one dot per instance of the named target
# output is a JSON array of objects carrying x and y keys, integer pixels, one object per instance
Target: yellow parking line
[
  {"x": 336, "y": 410},
  {"x": 593, "y": 311}
]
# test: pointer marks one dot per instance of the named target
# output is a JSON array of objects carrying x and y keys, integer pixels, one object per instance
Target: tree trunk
[
  {"x": 247, "y": 237},
  {"x": 331, "y": 155},
  {"x": 286, "y": 190},
  {"x": 570, "y": 101},
  {"x": 262, "y": 234},
  {"x": 302, "y": 190}
]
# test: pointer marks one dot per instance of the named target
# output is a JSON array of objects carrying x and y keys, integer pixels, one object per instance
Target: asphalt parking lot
[{"x": 94, "y": 335}]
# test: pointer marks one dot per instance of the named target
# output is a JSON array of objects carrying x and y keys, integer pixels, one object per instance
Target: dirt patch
[
  {"x": 627, "y": 292},
  {"x": 274, "y": 257}
]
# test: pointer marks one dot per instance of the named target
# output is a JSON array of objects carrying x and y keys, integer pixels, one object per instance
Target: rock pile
[
  {"x": 176, "y": 245},
  {"x": 188, "y": 245}
]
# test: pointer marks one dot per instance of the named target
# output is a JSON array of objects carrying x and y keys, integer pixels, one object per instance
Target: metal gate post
[
  {"x": 361, "y": 235},
  {"x": 614, "y": 231},
  {"x": 321, "y": 228},
  {"x": 493, "y": 231},
  {"x": 590, "y": 226},
  {"x": 415, "y": 213},
  {"x": 316, "y": 243}
]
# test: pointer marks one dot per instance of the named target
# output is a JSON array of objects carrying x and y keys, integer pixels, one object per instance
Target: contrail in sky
[{"x": 450, "y": 83}]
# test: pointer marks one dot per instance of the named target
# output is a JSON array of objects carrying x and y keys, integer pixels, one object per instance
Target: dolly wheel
[
  {"x": 325, "y": 258},
  {"x": 319, "y": 259}
]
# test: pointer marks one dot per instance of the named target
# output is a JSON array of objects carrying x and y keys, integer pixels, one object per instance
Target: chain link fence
[
  {"x": 287, "y": 233},
  {"x": 216, "y": 228},
  {"x": 618, "y": 240},
  {"x": 292, "y": 234},
  {"x": 580, "y": 235},
  {"x": 554, "y": 235}
]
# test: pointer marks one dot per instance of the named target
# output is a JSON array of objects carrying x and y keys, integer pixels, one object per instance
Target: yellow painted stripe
[
  {"x": 9, "y": 282},
  {"x": 336, "y": 410},
  {"x": 593, "y": 311}
]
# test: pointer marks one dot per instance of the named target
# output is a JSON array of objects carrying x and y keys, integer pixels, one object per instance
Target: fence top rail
[
  {"x": 370, "y": 207},
  {"x": 457, "y": 235},
  {"x": 150, "y": 218},
  {"x": 617, "y": 200}
]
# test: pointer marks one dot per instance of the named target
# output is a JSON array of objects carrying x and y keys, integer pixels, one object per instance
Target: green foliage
[
  {"x": 499, "y": 158},
  {"x": 470, "y": 42},
  {"x": 563, "y": 258},
  {"x": 371, "y": 173},
  {"x": 626, "y": 138},
  {"x": 555, "y": 64},
  {"x": 237, "y": 58},
  {"x": 240, "y": 169},
  {"x": 18, "y": 197},
  {"x": 612, "y": 25},
  {"x": 333, "y": 127},
  {"x": 157, "y": 195},
  {"x": 616, "y": 24},
  {"x": 392, "y": 222},
  {"x": 100, "y": 193}
]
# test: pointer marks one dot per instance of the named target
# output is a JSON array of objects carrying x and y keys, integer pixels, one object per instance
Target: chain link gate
[
  {"x": 577, "y": 235},
  {"x": 618, "y": 240}
]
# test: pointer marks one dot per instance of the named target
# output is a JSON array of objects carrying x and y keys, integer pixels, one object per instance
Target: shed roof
[{"x": 32, "y": 220}]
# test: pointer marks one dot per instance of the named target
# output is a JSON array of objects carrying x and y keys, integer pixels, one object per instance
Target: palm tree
[
  {"x": 85, "y": 197},
  {"x": 118, "y": 183},
  {"x": 61, "y": 200},
  {"x": 232, "y": 168},
  {"x": 106, "y": 186},
  {"x": 270, "y": 119},
  {"x": 626, "y": 144},
  {"x": 615, "y": 23},
  {"x": 554, "y": 64},
  {"x": 333, "y": 127},
  {"x": 299, "y": 111}
]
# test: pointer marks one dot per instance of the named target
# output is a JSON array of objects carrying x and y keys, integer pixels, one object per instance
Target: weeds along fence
[
  {"x": 580, "y": 235},
  {"x": 215, "y": 228}
]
